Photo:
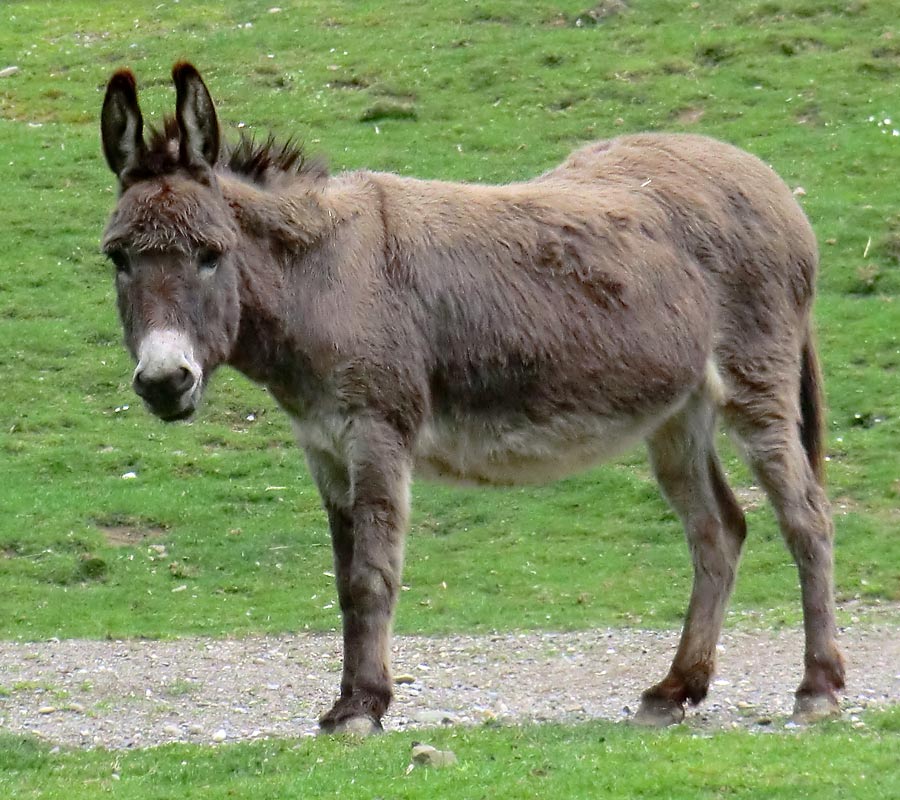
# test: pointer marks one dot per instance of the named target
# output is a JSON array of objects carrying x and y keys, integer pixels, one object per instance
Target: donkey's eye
[
  {"x": 208, "y": 259},
  {"x": 120, "y": 261}
]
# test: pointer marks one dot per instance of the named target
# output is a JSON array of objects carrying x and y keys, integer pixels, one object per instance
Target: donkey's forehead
[{"x": 170, "y": 213}]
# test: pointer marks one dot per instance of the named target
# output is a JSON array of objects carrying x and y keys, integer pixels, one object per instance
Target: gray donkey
[{"x": 489, "y": 335}]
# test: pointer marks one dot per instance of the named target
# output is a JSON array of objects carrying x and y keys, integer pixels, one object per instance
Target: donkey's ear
[
  {"x": 196, "y": 117},
  {"x": 121, "y": 123}
]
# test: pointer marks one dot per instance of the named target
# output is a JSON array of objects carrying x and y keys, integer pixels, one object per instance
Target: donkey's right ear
[{"x": 121, "y": 123}]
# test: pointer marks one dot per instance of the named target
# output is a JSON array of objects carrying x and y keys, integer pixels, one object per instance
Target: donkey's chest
[{"x": 507, "y": 452}]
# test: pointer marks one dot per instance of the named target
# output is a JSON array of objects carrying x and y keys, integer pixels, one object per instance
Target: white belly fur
[
  {"x": 473, "y": 452},
  {"x": 470, "y": 451}
]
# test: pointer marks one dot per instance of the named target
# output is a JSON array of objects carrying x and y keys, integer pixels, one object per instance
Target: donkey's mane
[
  {"x": 265, "y": 161},
  {"x": 262, "y": 162}
]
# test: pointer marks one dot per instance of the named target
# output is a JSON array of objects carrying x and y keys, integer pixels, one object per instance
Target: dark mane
[
  {"x": 262, "y": 162},
  {"x": 267, "y": 161}
]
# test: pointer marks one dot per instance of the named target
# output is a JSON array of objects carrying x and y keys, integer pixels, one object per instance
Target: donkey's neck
[
  {"x": 285, "y": 260},
  {"x": 294, "y": 216}
]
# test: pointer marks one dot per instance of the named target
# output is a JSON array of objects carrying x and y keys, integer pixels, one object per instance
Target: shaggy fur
[{"x": 489, "y": 334}]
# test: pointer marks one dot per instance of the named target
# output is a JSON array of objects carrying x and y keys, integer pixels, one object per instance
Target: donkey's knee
[{"x": 371, "y": 588}]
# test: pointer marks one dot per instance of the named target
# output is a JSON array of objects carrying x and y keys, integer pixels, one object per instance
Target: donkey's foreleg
[
  {"x": 333, "y": 481},
  {"x": 689, "y": 474},
  {"x": 369, "y": 572}
]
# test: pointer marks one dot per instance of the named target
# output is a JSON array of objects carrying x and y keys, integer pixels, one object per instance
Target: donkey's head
[{"x": 172, "y": 239}]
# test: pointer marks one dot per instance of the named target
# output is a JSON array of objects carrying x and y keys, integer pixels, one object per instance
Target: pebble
[
  {"x": 8, "y": 72},
  {"x": 404, "y": 678},
  {"x": 219, "y": 736},
  {"x": 429, "y": 756},
  {"x": 433, "y": 717},
  {"x": 47, "y": 710}
]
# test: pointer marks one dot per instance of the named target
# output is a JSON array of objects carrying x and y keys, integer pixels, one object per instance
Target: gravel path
[{"x": 124, "y": 694}]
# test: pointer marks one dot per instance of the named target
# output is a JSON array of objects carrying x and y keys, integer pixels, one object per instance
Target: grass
[
  {"x": 219, "y": 530},
  {"x": 592, "y": 760}
]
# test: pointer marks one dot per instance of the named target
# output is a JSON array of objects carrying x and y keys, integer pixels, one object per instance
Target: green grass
[
  {"x": 594, "y": 760},
  {"x": 472, "y": 91}
]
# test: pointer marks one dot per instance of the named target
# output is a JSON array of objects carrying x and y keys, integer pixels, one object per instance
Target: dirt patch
[
  {"x": 689, "y": 116},
  {"x": 124, "y": 694},
  {"x": 129, "y": 533},
  {"x": 599, "y": 12}
]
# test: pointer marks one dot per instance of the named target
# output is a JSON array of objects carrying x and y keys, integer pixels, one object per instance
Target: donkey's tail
[{"x": 812, "y": 408}]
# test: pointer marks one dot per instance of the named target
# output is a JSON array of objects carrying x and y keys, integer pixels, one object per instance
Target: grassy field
[
  {"x": 585, "y": 761},
  {"x": 106, "y": 512},
  {"x": 112, "y": 524}
]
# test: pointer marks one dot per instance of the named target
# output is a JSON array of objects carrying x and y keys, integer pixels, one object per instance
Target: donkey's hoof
[
  {"x": 655, "y": 712},
  {"x": 360, "y": 727},
  {"x": 810, "y": 708}
]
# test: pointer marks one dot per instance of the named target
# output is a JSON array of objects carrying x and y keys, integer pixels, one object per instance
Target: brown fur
[{"x": 489, "y": 334}]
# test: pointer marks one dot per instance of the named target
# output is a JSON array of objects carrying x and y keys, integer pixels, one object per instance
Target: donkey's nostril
[
  {"x": 183, "y": 381},
  {"x": 165, "y": 386}
]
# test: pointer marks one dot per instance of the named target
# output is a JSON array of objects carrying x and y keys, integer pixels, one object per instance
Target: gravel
[{"x": 126, "y": 694}]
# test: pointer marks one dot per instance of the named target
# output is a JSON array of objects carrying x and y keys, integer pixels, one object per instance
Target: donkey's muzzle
[
  {"x": 165, "y": 393},
  {"x": 167, "y": 378}
]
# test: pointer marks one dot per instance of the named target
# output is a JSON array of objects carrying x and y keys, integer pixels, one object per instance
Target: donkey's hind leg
[
  {"x": 685, "y": 463},
  {"x": 773, "y": 446}
]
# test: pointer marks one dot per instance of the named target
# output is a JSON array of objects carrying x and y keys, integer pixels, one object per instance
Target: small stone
[
  {"x": 171, "y": 730},
  {"x": 434, "y": 717},
  {"x": 195, "y": 729},
  {"x": 799, "y": 192},
  {"x": 8, "y": 72},
  {"x": 404, "y": 678},
  {"x": 744, "y": 705},
  {"x": 77, "y": 708},
  {"x": 429, "y": 756},
  {"x": 219, "y": 736},
  {"x": 359, "y": 727},
  {"x": 47, "y": 710}
]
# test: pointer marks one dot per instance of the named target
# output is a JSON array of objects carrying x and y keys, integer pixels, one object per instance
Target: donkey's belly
[{"x": 477, "y": 451}]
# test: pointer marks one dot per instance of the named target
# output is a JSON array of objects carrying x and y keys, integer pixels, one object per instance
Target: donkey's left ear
[
  {"x": 196, "y": 117},
  {"x": 121, "y": 124}
]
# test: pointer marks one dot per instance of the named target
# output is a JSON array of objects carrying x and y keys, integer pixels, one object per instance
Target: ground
[{"x": 124, "y": 694}]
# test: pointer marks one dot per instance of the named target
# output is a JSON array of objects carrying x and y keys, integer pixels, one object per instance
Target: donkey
[{"x": 489, "y": 335}]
